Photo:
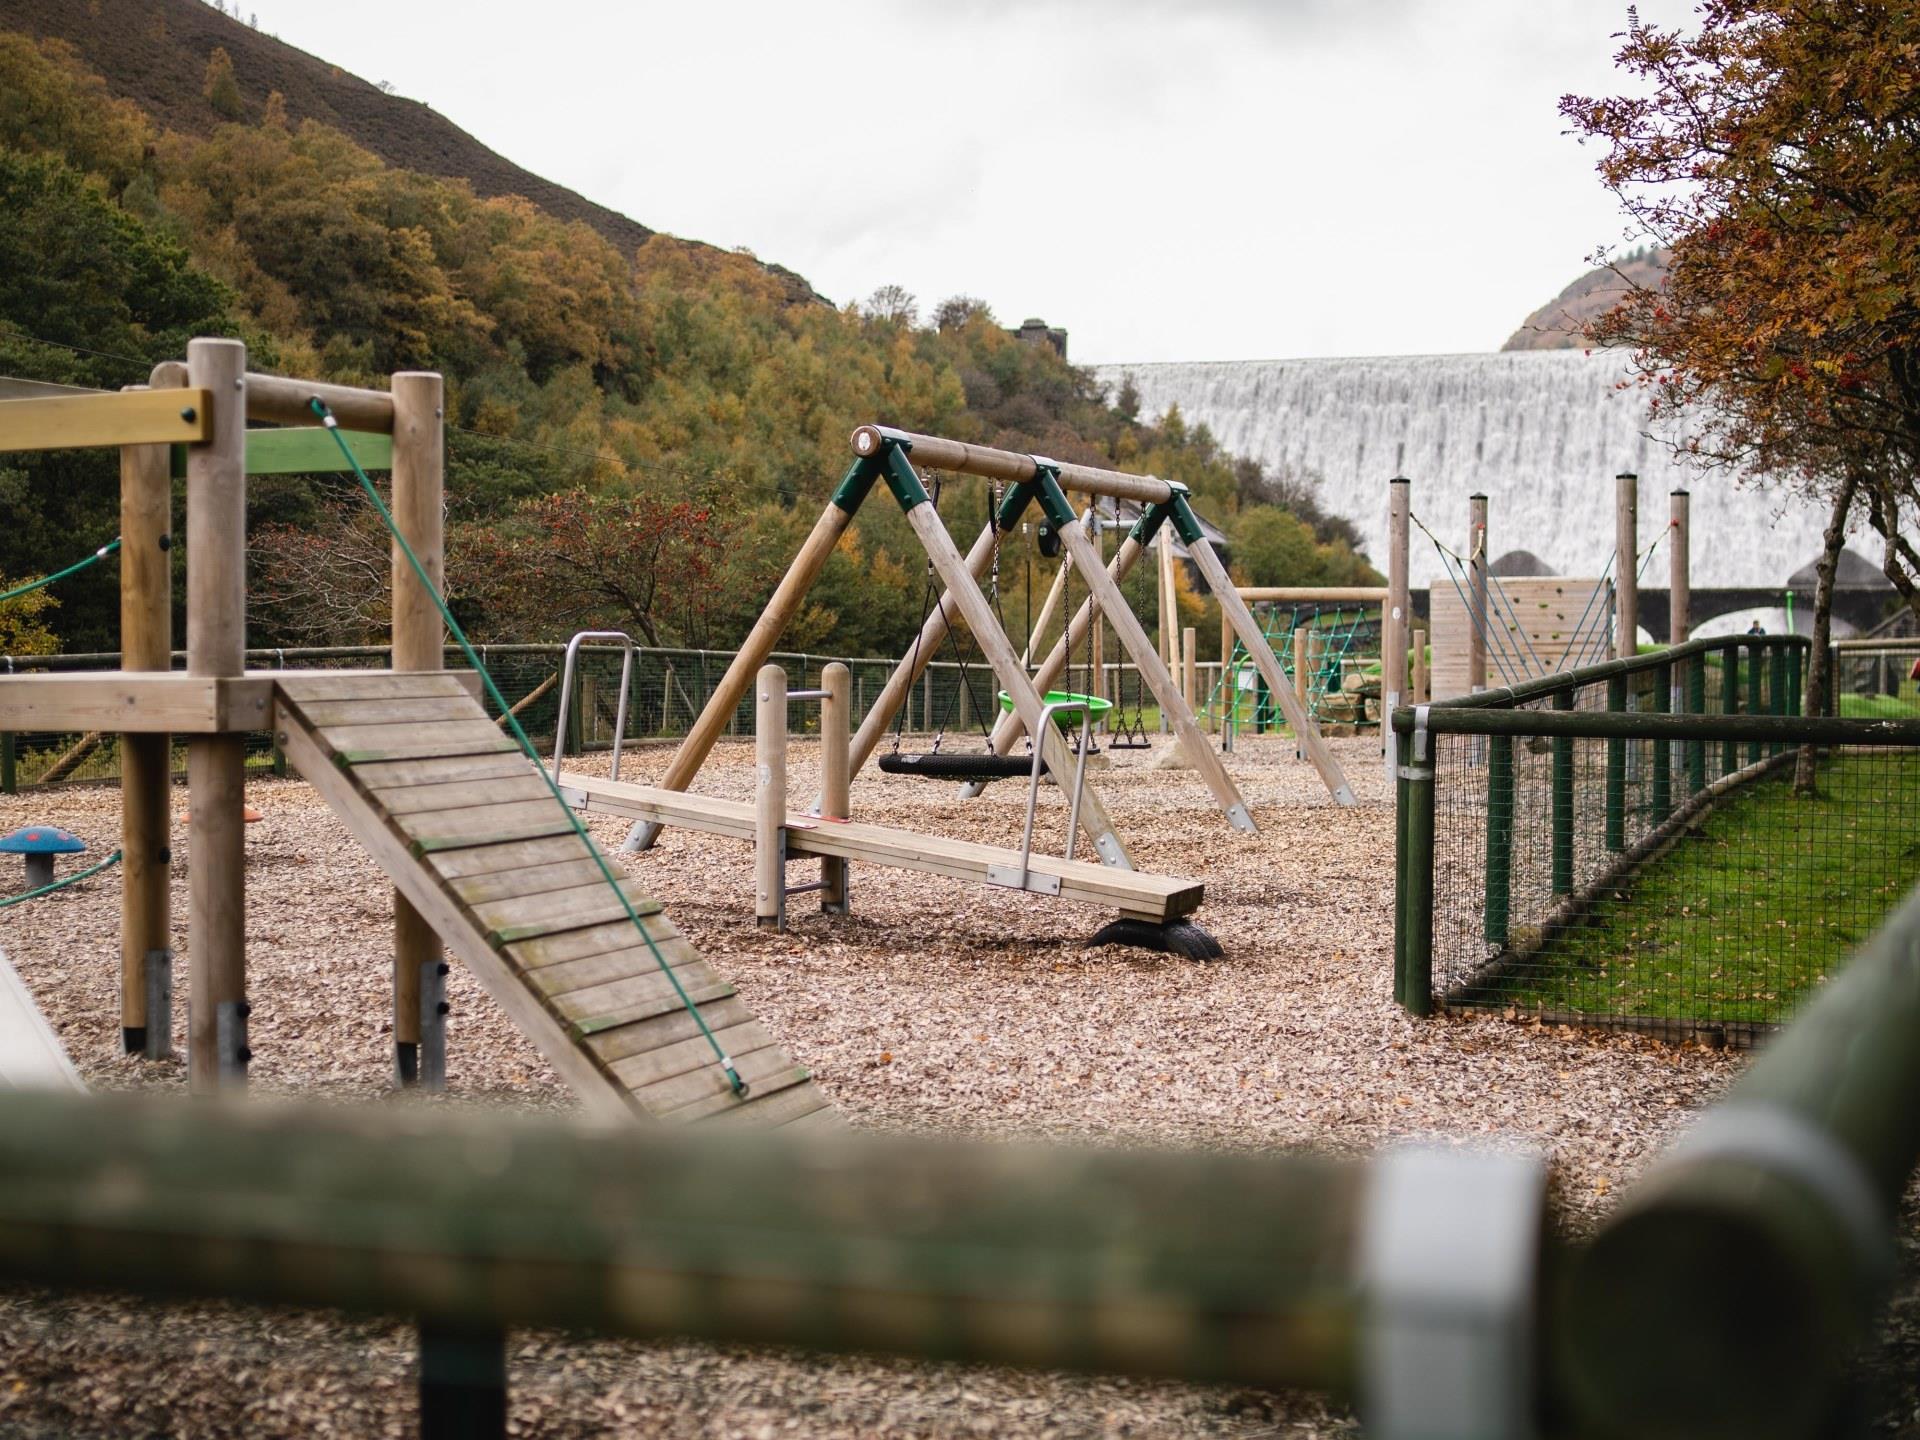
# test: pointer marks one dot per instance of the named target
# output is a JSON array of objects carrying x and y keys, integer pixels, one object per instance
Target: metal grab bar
[
  {"x": 566, "y": 694},
  {"x": 1021, "y": 878}
]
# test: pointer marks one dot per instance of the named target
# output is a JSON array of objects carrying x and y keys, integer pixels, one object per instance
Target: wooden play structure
[
  {"x": 486, "y": 859},
  {"x": 1319, "y": 634},
  {"x": 894, "y": 458},
  {"x": 1153, "y": 909},
  {"x": 1487, "y": 629}
]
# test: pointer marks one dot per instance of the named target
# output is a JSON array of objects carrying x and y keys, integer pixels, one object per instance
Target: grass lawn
[
  {"x": 1879, "y": 707},
  {"x": 1740, "y": 920}
]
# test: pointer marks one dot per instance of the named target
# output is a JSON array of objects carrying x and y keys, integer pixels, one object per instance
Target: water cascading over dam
[{"x": 1542, "y": 433}]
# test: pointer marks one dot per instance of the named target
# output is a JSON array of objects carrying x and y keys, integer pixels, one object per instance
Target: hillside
[
  {"x": 1561, "y": 322},
  {"x": 155, "y": 53}
]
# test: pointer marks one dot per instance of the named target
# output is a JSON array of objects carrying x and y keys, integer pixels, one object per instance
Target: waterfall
[{"x": 1542, "y": 433}]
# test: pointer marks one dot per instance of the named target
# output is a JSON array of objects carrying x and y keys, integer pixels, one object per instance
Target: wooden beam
[
  {"x": 752, "y": 654},
  {"x": 931, "y": 452},
  {"x": 280, "y": 400},
  {"x": 135, "y": 702},
  {"x": 1009, "y": 728},
  {"x": 1227, "y": 1268},
  {"x": 1261, "y": 653},
  {"x": 217, "y": 1049},
  {"x": 933, "y": 631},
  {"x": 133, "y": 417},
  {"x": 1323, "y": 594},
  {"x": 146, "y": 644},
  {"x": 1137, "y": 893},
  {"x": 1173, "y": 705},
  {"x": 994, "y": 644}
]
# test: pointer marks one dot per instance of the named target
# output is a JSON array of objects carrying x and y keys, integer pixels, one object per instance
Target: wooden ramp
[
  {"x": 1135, "y": 894},
  {"x": 471, "y": 835},
  {"x": 31, "y": 1056}
]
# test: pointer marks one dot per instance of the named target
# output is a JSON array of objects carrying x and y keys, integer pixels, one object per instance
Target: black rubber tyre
[{"x": 1176, "y": 937}]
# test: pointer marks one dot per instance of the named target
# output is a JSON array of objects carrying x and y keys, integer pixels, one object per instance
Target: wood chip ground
[{"x": 934, "y": 1006}]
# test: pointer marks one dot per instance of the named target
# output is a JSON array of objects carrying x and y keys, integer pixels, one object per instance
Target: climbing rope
[
  {"x": 62, "y": 883},
  {"x": 74, "y": 569},
  {"x": 319, "y": 408}
]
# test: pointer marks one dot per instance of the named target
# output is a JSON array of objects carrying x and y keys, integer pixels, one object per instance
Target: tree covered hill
[{"x": 639, "y": 432}]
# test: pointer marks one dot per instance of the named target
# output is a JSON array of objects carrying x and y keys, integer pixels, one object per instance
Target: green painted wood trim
[{"x": 304, "y": 451}]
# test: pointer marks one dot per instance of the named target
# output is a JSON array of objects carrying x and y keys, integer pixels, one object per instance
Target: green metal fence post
[
  {"x": 1414, "y": 875},
  {"x": 1402, "y": 859},
  {"x": 1777, "y": 689},
  {"x": 1500, "y": 837},
  {"x": 1616, "y": 769},
  {"x": 1563, "y": 803},
  {"x": 1755, "y": 703},
  {"x": 1662, "y": 749},
  {"x": 9, "y": 781},
  {"x": 1796, "y": 680},
  {"x": 1697, "y": 705},
  {"x": 1730, "y": 703}
]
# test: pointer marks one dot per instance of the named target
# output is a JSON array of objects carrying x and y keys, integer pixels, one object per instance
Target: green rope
[
  {"x": 60, "y": 884},
  {"x": 94, "y": 559},
  {"x": 325, "y": 415}
]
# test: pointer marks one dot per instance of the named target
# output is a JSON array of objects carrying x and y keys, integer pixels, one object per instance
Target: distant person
[{"x": 1756, "y": 628}]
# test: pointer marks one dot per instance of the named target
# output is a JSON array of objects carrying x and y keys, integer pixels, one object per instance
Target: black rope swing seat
[{"x": 958, "y": 765}]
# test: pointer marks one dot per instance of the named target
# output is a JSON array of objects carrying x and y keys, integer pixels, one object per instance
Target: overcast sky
[{"x": 1208, "y": 180}]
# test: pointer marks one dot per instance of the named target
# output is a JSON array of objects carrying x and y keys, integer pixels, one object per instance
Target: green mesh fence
[{"x": 1627, "y": 846}]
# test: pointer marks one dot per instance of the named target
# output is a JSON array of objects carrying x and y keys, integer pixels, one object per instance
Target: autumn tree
[
  {"x": 648, "y": 562},
  {"x": 220, "y": 88},
  {"x": 1775, "y": 150}
]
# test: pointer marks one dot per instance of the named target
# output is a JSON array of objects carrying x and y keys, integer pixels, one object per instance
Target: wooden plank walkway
[
  {"x": 31, "y": 1056},
  {"x": 469, "y": 833},
  {"x": 1134, "y": 893}
]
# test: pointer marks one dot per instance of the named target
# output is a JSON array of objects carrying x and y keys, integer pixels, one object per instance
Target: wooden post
[
  {"x": 1626, "y": 565},
  {"x": 1302, "y": 641},
  {"x": 1396, "y": 617},
  {"x": 898, "y": 689},
  {"x": 1169, "y": 612},
  {"x": 1190, "y": 664},
  {"x": 1174, "y": 710},
  {"x": 146, "y": 643},
  {"x": 217, "y": 645},
  {"x": 770, "y": 798},
  {"x": 1422, "y": 681},
  {"x": 993, "y": 642},
  {"x": 1229, "y": 695},
  {"x": 1009, "y": 728},
  {"x": 1478, "y": 616},
  {"x": 1244, "y": 625},
  {"x": 419, "y": 643},
  {"x": 733, "y": 686},
  {"x": 836, "y": 779},
  {"x": 1679, "y": 571}
]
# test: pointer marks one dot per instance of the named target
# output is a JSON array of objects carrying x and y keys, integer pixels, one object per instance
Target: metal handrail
[
  {"x": 1047, "y": 712},
  {"x": 566, "y": 694}
]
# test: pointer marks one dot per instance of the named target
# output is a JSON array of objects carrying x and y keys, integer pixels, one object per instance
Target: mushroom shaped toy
[{"x": 40, "y": 843}]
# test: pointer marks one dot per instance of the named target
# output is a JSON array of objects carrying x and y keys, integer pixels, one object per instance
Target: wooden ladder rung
[
  {"x": 705, "y": 1090},
  {"x": 632, "y": 960},
  {"x": 534, "y": 917},
  {"x": 668, "y": 1029},
  {"x": 650, "y": 1067}
]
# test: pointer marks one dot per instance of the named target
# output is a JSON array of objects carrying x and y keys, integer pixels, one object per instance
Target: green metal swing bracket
[
  {"x": 857, "y": 483},
  {"x": 1186, "y": 524}
]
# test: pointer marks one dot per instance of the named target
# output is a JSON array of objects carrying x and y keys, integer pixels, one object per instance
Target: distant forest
[{"x": 636, "y": 440}]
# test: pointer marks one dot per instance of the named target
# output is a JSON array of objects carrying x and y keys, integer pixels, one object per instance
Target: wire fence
[
  {"x": 667, "y": 689},
  {"x": 1627, "y": 845},
  {"x": 1329, "y": 653}
]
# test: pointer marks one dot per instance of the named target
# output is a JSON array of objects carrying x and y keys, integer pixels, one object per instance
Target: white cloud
[{"x": 1215, "y": 180}]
